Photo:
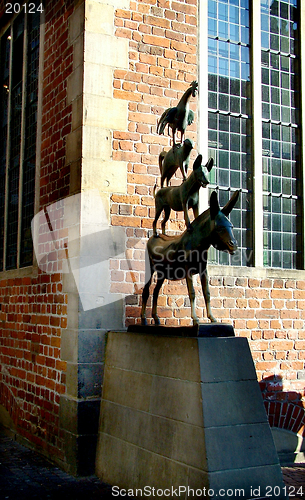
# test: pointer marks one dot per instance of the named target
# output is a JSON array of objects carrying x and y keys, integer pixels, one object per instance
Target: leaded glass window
[
  {"x": 19, "y": 53},
  {"x": 280, "y": 131},
  {"x": 229, "y": 103}
]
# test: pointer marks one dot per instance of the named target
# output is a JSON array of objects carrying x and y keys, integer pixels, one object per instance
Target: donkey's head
[
  {"x": 198, "y": 170},
  {"x": 222, "y": 237}
]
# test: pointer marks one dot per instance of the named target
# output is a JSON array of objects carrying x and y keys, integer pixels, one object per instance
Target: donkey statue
[{"x": 182, "y": 256}]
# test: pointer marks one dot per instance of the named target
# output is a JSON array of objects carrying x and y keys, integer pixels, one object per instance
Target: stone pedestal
[{"x": 183, "y": 414}]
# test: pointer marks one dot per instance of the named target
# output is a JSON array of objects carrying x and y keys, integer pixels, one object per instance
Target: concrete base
[{"x": 182, "y": 414}]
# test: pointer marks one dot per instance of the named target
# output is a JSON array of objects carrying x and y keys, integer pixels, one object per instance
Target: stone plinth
[{"x": 185, "y": 412}]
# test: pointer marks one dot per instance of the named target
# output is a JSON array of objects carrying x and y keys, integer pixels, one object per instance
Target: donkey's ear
[
  {"x": 214, "y": 205},
  {"x": 231, "y": 203},
  {"x": 209, "y": 164},
  {"x": 197, "y": 162}
]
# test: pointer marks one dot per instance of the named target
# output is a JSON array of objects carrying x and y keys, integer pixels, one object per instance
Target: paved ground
[{"x": 25, "y": 475}]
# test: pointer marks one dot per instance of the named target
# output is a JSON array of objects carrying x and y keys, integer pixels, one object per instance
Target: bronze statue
[
  {"x": 181, "y": 257},
  {"x": 179, "y": 117},
  {"x": 182, "y": 197},
  {"x": 177, "y": 157}
]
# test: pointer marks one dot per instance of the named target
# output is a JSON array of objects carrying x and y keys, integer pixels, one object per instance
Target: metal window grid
[
  {"x": 229, "y": 103},
  {"x": 280, "y": 133}
]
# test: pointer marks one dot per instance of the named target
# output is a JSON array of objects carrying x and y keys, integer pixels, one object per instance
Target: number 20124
[{"x": 16, "y": 8}]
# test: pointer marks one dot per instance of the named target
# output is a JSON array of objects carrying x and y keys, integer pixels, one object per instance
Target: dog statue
[
  {"x": 177, "y": 157},
  {"x": 183, "y": 197}
]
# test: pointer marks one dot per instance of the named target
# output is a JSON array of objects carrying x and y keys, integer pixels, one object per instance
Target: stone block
[
  {"x": 69, "y": 345},
  {"x": 72, "y": 380},
  {"x": 176, "y": 399},
  {"x": 91, "y": 346},
  {"x": 99, "y": 243},
  {"x": 68, "y": 414},
  {"x": 118, "y": 471},
  {"x": 96, "y": 141},
  {"x": 72, "y": 306},
  {"x": 75, "y": 176},
  {"x": 99, "y": 17},
  {"x": 172, "y": 439},
  {"x": 127, "y": 388},
  {"x": 240, "y": 446},
  {"x": 90, "y": 376},
  {"x": 106, "y": 50},
  {"x": 75, "y": 84},
  {"x": 231, "y": 398},
  {"x": 105, "y": 113},
  {"x": 74, "y": 146},
  {"x": 107, "y": 176},
  {"x": 165, "y": 356},
  {"x": 247, "y": 483},
  {"x": 102, "y": 318},
  {"x": 77, "y": 112},
  {"x": 223, "y": 360},
  {"x": 76, "y": 23},
  {"x": 98, "y": 80},
  {"x": 78, "y": 52},
  {"x": 118, "y": 4}
]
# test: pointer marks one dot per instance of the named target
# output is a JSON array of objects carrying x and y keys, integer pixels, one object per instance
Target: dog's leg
[
  {"x": 186, "y": 215},
  {"x": 167, "y": 212},
  {"x": 159, "y": 209},
  {"x": 195, "y": 211}
]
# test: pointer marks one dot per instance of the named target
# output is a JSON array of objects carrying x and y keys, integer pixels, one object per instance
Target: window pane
[
  {"x": 278, "y": 79},
  {"x": 28, "y": 188},
  {"x": 19, "y": 58},
  {"x": 4, "y": 102},
  {"x": 232, "y": 145},
  {"x": 15, "y": 136}
]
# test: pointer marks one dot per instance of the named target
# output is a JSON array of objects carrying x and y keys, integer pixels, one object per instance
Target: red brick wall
[
  {"x": 34, "y": 308},
  {"x": 269, "y": 312}
]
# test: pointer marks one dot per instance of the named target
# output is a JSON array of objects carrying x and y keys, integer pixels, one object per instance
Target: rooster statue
[{"x": 179, "y": 117}]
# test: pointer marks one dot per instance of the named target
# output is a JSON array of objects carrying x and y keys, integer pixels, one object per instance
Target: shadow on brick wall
[{"x": 286, "y": 414}]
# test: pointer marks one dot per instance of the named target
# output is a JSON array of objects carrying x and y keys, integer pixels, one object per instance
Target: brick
[
  {"x": 253, "y": 283},
  {"x": 281, "y": 294},
  {"x": 265, "y": 365},
  {"x": 126, "y": 221},
  {"x": 299, "y": 345},
  {"x": 126, "y": 14},
  {"x": 156, "y": 40},
  {"x": 157, "y": 21},
  {"x": 278, "y": 283},
  {"x": 129, "y": 96},
  {"x": 281, "y": 345},
  {"x": 123, "y": 33}
]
